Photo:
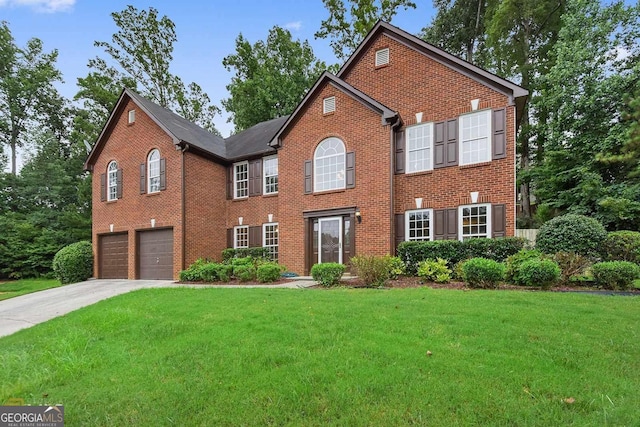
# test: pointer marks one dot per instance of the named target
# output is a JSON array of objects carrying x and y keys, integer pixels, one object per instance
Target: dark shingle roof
[{"x": 255, "y": 140}]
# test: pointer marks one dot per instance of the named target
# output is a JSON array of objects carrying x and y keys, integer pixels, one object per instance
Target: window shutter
[
  {"x": 143, "y": 178},
  {"x": 351, "y": 169},
  {"x": 255, "y": 178},
  {"x": 451, "y": 146},
  {"x": 451, "y": 231},
  {"x": 255, "y": 236},
  {"x": 400, "y": 144},
  {"x": 229, "y": 237},
  {"x": 499, "y": 220},
  {"x": 119, "y": 184},
  {"x": 499, "y": 134},
  {"x": 163, "y": 174},
  {"x": 103, "y": 187},
  {"x": 439, "y": 224},
  {"x": 308, "y": 179},
  {"x": 230, "y": 187},
  {"x": 399, "y": 229},
  {"x": 439, "y": 159}
]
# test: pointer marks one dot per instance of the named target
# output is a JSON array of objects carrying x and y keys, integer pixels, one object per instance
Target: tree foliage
[{"x": 271, "y": 77}]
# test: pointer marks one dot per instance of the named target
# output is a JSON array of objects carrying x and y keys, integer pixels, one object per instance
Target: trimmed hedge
[
  {"x": 268, "y": 272},
  {"x": 483, "y": 273},
  {"x": 255, "y": 253},
  {"x": 539, "y": 272},
  {"x": 73, "y": 263},
  {"x": 327, "y": 274},
  {"x": 615, "y": 274},
  {"x": 515, "y": 261},
  {"x": 622, "y": 246},
  {"x": 454, "y": 251},
  {"x": 571, "y": 233},
  {"x": 203, "y": 270}
]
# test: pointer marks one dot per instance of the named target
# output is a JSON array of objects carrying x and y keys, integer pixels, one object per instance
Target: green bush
[
  {"x": 571, "y": 233},
  {"x": 622, "y": 246},
  {"x": 615, "y": 274},
  {"x": 572, "y": 265},
  {"x": 434, "y": 271},
  {"x": 373, "y": 270},
  {"x": 496, "y": 249},
  {"x": 74, "y": 263},
  {"x": 539, "y": 272},
  {"x": 257, "y": 253},
  {"x": 242, "y": 261},
  {"x": 244, "y": 273},
  {"x": 268, "y": 272},
  {"x": 193, "y": 272},
  {"x": 483, "y": 273},
  {"x": 396, "y": 267},
  {"x": 456, "y": 271},
  {"x": 327, "y": 274},
  {"x": 514, "y": 262},
  {"x": 203, "y": 270}
]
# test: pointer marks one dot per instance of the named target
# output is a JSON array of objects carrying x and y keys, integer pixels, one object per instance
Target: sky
[{"x": 206, "y": 32}]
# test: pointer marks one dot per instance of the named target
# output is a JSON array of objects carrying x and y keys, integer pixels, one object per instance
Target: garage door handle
[{"x": 157, "y": 260}]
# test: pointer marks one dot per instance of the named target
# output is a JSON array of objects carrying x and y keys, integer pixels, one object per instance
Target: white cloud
[
  {"x": 41, "y": 6},
  {"x": 295, "y": 26}
]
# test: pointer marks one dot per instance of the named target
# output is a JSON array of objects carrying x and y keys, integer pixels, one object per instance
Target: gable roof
[
  {"x": 517, "y": 93},
  {"x": 387, "y": 115},
  {"x": 255, "y": 140}
]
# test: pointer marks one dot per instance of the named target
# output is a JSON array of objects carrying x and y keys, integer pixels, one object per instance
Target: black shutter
[
  {"x": 255, "y": 177},
  {"x": 163, "y": 174},
  {"x": 255, "y": 236},
  {"x": 499, "y": 134},
  {"x": 399, "y": 219},
  {"x": 439, "y": 224},
  {"x": 143, "y": 178},
  {"x": 399, "y": 152},
  {"x": 119, "y": 184},
  {"x": 229, "y": 237},
  {"x": 451, "y": 146},
  {"x": 439, "y": 154},
  {"x": 230, "y": 186},
  {"x": 308, "y": 179},
  {"x": 351, "y": 169},
  {"x": 499, "y": 220},
  {"x": 103, "y": 187},
  {"x": 451, "y": 231}
]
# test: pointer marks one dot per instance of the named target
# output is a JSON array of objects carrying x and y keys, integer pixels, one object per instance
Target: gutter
[
  {"x": 392, "y": 170},
  {"x": 185, "y": 148}
]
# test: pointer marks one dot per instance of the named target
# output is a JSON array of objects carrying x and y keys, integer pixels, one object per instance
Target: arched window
[
  {"x": 112, "y": 181},
  {"x": 153, "y": 171},
  {"x": 329, "y": 165}
]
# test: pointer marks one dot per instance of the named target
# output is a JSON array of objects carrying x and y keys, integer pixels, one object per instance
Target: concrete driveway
[{"x": 28, "y": 310}]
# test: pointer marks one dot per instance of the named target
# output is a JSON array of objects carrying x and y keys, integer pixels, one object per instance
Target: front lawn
[
  {"x": 25, "y": 286},
  {"x": 334, "y": 357}
]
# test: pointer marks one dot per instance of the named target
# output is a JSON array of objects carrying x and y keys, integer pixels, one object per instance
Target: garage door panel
[
  {"x": 113, "y": 256},
  {"x": 155, "y": 254}
]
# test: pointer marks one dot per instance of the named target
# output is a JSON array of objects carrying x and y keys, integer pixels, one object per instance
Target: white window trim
[
  {"x": 477, "y": 205},
  {"x": 235, "y": 236},
  {"x": 315, "y": 166},
  {"x": 265, "y": 176},
  {"x": 489, "y": 137},
  {"x": 149, "y": 177},
  {"x": 406, "y": 224},
  {"x": 235, "y": 180},
  {"x": 379, "y": 52},
  {"x": 264, "y": 235},
  {"x": 109, "y": 181},
  {"x": 325, "y": 105},
  {"x": 430, "y": 126}
]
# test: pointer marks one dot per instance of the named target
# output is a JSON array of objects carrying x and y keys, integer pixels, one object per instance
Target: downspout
[
  {"x": 185, "y": 148},
  {"x": 392, "y": 171}
]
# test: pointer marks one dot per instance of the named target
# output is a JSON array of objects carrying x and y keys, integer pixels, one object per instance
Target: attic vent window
[
  {"x": 132, "y": 116},
  {"x": 382, "y": 57},
  {"x": 329, "y": 105}
]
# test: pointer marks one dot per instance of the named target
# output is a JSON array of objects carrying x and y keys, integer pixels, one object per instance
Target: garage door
[
  {"x": 155, "y": 254},
  {"x": 114, "y": 256}
]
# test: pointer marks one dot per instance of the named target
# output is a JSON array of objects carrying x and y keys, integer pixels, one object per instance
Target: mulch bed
[{"x": 239, "y": 283}]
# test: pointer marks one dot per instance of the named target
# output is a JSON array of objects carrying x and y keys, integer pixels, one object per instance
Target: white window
[
  {"x": 475, "y": 221},
  {"x": 382, "y": 57},
  {"x": 475, "y": 137},
  {"x": 420, "y": 148},
  {"x": 329, "y": 165},
  {"x": 241, "y": 180},
  {"x": 270, "y": 167},
  {"x": 241, "y": 236},
  {"x": 112, "y": 181},
  {"x": 418, "y": 225},
  {"x": 132, "y": 116},
  {"x": 270, "y": 239},
  {"x": 329, "y": 105},
  {"x": 153, "y": 171}
]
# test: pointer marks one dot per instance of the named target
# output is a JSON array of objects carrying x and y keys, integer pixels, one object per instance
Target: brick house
[{"x": 406, "y": 142}]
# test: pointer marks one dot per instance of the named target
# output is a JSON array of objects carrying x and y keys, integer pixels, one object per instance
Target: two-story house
[{"x": 406, "y": 142}]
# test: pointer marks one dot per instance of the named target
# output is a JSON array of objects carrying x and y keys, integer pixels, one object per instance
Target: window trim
[
  {"x": 344, "y": 165},
  {"x": 265, "y": 176},
  {"x": 149, "y": 177},
  {"x": 277, "y": 238},
  {"x": 488, "y": 113},
  {"x": 131, "y": 116},
  {"x": 406, "y": 225},
  {"x": 112, "y": 181},
  {"x": 381, "y": 64},
  {"x": 430, "y": 126},
  {"x": 235, "y": 236},
  {"x": 461, "y": 225},
  {"x": 236, "y": 182}
]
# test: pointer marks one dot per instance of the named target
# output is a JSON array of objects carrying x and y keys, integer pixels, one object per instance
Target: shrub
[
  {"x": 539, "y": 272},
  {"x": 456, "y": 271},
  {"x": 396, "y": 267},
  {"x": 515, "y": 261},
  {"x": 373, "y": 270},
  {"x": 74, "y": 263},
  {"x": 434, "y": 271},
  {"x": 571, "y": 233},
  {"x": 268, "y": 272},
  {"x": 327, "y": 274},
  {"x": 244, "y": 273},
  {"x": 214, "y": 272},
  {"x": 482, "y": 272},
  {"x": 571, "y": 265},
  {"x": 496, "y": 249},
  {"x": 193, "y": 272},
  {"x": 257, "y": 253},
  {"x": 622, "y": 246},
  {"x": 615, "y": 274}
]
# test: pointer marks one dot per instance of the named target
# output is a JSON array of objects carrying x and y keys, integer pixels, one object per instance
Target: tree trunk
[{"x": 13, "y": 158}]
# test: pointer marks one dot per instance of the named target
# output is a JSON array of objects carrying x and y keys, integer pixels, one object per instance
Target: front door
[{"x": 330, "y": 240}]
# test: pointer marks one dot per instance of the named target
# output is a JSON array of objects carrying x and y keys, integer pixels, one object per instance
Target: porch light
[{"x": 358, "y": 216}]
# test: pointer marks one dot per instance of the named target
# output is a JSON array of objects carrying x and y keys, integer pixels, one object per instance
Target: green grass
[
  {"x": 192, "y": 357},
  {"x": 25, "y": 286}
]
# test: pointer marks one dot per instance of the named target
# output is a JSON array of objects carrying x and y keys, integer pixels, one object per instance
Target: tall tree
[
  {"x": 271, "y": 77},
  {"x": 346, "y": 28},
  {"x": 27, "y": 92}
]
